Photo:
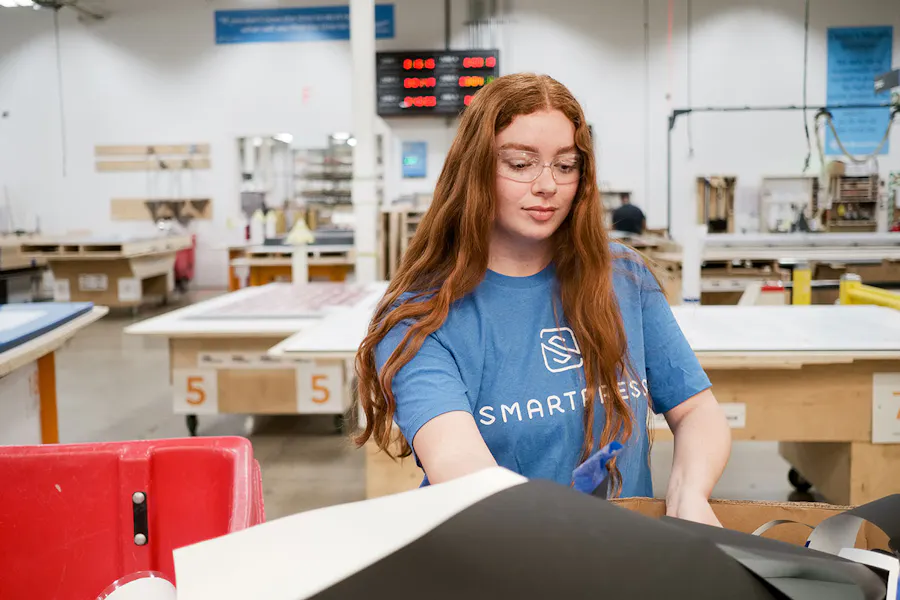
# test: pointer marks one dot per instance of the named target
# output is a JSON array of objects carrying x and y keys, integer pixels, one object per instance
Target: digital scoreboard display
[{"x": 431, "y": 82}]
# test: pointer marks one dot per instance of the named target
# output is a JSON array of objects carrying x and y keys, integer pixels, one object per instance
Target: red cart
[{"x": 75, "y": 518}]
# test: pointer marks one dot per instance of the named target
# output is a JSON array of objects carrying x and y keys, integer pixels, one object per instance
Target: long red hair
[{"x": 448, "y": 257}]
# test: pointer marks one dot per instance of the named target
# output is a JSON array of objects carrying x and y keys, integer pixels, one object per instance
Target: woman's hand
[{"x": 692, "y": 507}]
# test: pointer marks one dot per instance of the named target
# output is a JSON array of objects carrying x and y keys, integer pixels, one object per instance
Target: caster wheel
[
  {"x": 797, "y": 480},
  {"x": 192, "y": 422}
]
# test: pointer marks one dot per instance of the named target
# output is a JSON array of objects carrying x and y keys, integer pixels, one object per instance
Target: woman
[{"x": 515, "y": 334}]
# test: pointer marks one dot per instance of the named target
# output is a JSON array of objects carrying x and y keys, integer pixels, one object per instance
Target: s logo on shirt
[{"x": 560, "y": 350}]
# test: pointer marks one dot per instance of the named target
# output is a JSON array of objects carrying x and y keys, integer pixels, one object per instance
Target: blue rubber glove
[{"x": 591, "y": 473}]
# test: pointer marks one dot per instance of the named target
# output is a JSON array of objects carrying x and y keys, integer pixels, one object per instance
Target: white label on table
[
  {"x": 93, "y": 283},
  {"x": 246, "y": 360},
  {"x": 320, "y": 388},
  {"x": 886, "y": 408},
  {"x": 735, "y": 414},
  {"x": 130, "y": 289},
  {"x": 195, "y": 391},
  {"x": 61, "y": 290}
]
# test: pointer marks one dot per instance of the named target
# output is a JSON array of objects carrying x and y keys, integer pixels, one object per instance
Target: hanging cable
[
  {"x": 690, "y": 130},
  {"x": 59, "y": 81},
  {"x": 805, "y": 70},
  {"x": 844, "y": 151}
]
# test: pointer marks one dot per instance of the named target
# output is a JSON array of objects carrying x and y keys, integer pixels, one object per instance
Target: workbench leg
[
  {"x": 46, "y": 366},
  {"x": 192, "y": 423}
]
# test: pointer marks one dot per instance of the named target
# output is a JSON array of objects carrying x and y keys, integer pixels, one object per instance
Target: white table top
[
  {"x": 48, "y": 342},
  {"x": 335, "y": 336},
  {"x": 211, "y": 318},
  {"x": 740, "y": 336},
  {"x": 829, "y": 328}
]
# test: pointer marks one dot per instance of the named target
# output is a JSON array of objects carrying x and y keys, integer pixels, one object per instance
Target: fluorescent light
[
  {"x": 25, "y": 2},
  {"x": 351, "y": 142},
  {"x": 8, "y": 3},
  {"x": 341, "y": 135},
  {"x": 284, "y": 137}
]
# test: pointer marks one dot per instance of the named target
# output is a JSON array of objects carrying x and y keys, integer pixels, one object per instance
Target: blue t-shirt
[{"x": 501, "y": 357}]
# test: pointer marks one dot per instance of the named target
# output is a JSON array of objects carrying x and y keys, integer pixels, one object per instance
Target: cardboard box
[{"x": 746, "y": 517}]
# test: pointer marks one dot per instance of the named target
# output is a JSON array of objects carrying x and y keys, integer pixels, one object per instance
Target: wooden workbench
[
  {"x": 268, "y": 264},
  {"x": 732, "y": 261},
  {"x": 30, "y": 335},
  {"x": 815, "y": 378},
  {"x": 114, "y": 272},
  {"x": 219, "y": 351}
]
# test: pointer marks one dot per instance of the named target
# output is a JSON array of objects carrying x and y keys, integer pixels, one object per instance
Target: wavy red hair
[{"x": 448, "y": 257}]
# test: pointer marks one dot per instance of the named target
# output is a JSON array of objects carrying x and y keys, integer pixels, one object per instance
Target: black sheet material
[
  {"x": 786, "y": 566},
  {"x": 884, "y": 513},
  {"x": 544, "y": 541}
]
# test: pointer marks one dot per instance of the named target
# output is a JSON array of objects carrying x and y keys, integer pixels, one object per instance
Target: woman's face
[{"x": 532, "y": 201}]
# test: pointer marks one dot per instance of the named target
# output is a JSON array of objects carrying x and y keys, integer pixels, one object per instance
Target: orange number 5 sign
[
  {"x": 196, "y": 394},
  {"x": 321, "y": 394}
]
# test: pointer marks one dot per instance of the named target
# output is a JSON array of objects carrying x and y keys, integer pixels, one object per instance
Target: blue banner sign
[
  {"x": 295, "y": 24},
  {"x": 856, "y": 55},
  {"x": 415, "y": 158}
]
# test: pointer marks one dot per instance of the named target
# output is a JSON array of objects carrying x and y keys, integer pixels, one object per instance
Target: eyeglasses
[{"x": 525, "y": 167}]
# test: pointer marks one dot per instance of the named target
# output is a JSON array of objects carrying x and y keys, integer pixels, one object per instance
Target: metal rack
[{"x": 854, "y": 204}]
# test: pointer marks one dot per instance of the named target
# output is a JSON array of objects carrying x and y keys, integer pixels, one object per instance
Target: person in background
[
  {"x": 629, "y": 218},
  {"x": 516, "y": 334}
]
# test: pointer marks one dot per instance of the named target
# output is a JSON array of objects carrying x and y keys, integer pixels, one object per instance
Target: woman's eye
[
  {"x": 567, "y": 167},
  {"x": 518, "y": 165}
]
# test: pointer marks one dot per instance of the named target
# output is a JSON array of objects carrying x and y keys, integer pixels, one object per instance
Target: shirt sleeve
[
  {"x": 673, "y": 372},
  {"x": 426, "y": 387}
]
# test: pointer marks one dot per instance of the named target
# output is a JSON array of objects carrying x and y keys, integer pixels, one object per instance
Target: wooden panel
[
  {"x": 113, "y": 269},
  {"x": 263, "y": 391},
  {"x": 385, "y": 476},
  {"x": 827, "y": 466},
  {"x": 185, "y": 351},
  {"x": 850, "y": 473},
  {"x": 137, "y": 209},
  {"x": 168, "y": 164},
  {"x": 873, "y": 471},
  {"x": 814, "y": 403},
  {"x": 147, "y": 150}
]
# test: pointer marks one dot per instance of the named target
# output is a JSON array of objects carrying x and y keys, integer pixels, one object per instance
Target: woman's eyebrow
[
  {"x": 514, "y": 146},
  {"x": 566, "y": 149}
]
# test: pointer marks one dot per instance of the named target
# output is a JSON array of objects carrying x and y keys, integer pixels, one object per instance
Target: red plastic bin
[{"x": 68, "y": 517}]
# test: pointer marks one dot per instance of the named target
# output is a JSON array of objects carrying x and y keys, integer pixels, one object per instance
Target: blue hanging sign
[
  {"x": 295, "y": 24},
  {"x": 856, "y": 55},
  {"x": 415, "y": 156}
]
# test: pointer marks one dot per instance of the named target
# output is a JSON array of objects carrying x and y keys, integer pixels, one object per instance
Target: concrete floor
[{"x": 116, "y": 387}]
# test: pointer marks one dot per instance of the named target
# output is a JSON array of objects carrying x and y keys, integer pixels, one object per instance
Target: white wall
[{"x": 152, "y": 74}]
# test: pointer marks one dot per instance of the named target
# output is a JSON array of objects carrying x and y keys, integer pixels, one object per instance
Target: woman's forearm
[{"x": 702, "y": 448}]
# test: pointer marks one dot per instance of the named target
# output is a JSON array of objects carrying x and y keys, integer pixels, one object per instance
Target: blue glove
[{"x": 590, "y": 474}]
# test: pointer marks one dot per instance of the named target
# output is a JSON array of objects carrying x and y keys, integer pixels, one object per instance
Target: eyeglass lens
[{"x": 525, "y": 167}]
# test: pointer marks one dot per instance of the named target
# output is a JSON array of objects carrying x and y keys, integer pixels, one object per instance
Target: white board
[
  {"x": 886, "y": 408},
  {"x": 297, "y": 557},
  {"x": 789, "y": 328}
]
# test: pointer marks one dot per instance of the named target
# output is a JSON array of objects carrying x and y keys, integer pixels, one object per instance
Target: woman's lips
[{"x": 540, "y": 213}]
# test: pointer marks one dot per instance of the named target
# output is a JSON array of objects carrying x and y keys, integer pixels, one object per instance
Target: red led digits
[
  {"x": 476, "y": 62},
  {"x": 418, "y": 64},
  {"x": 467, "y": 100},
  {"x": 473, "y": 81},
  {"x": 417, "y": 82},
  {"x": 419, "y": 101},
  {"x": 490, "y": 62}
]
